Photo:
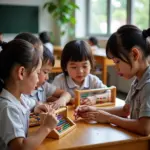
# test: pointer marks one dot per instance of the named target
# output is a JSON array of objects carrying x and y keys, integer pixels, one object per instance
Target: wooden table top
[{"x": 89, "y": 135}]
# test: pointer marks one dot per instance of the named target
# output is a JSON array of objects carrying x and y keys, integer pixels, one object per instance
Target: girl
[
  {"x": 76, "y": 63},
  {"x": 19, "y": 67},
  {"x": 44, "y": 91},
  {"x": 129, "y": 48}
]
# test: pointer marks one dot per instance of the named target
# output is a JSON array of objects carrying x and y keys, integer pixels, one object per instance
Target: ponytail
[{"x": 146, "y": 33}]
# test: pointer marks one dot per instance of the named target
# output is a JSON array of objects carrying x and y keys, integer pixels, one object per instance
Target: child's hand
[
  {"x": 88, "y": 101},
  {"x": 58, "y": 103},
  {"x": 83, "y": 109},
  {"x": 49, "y": 120},
  {"x": 41, "y": 108}
]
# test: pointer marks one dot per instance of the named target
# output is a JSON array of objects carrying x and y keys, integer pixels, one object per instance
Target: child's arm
[
  {"x": 35, "y": 140},
  {"x": 140, "y": 126},
  {"x": 62, "y": 98}
]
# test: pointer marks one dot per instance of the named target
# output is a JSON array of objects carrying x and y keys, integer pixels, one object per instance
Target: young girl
[
  {"x": 129, "y": 48},
  {"x": 20, "y": 64},
  {"x": 76, "y": 63},
  {"x": 45, "y": 91}
]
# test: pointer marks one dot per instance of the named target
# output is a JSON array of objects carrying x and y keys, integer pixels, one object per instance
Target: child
[
  {"x": 93, "y": 43},
  {"x": 129, "y": 48},
  {"x": 46, "y": 91},
  {"x": 76, "y": 62},
  {"x": 45, "y": 38},
  {"x": 20, "y": 64}
]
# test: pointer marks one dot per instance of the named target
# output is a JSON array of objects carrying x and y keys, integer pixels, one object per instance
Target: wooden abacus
[
  {"x": 103, "y": 101},
  {"x": 64, "y": 126}
]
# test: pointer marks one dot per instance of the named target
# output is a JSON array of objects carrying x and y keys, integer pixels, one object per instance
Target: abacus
[
  {"x": 104, "y": 96},
  {"x": 64, "y": 126},
  {"x": 34, "y": 120}
]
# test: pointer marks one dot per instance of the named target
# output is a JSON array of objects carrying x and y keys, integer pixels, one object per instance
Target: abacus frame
[{"x": 110, "y": 103}]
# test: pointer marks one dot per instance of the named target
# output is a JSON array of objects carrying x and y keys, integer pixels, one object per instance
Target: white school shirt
[
  {"x": 50, "y": 47},
  {"x": 42, "y": 93},
  {"x": 66, "y": 83},
  {"x": 14, "y": 119}
]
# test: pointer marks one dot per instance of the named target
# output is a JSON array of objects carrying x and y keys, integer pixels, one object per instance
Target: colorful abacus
[
  {"x": 64, "y": 126},
  {"x": 104, "y": 96},
  {"x": 34, "y": 120}
]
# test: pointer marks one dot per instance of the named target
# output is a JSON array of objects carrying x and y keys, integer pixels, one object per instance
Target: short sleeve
[
  {"x": 11, "y": 125},
  {"x": 98, "y": 83},
  {"x": 145, "y": 101},
  {"x": 49, "y": 89}
]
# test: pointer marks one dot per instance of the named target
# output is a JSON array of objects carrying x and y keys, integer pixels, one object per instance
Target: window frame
[{"x": 129, "y": 19}]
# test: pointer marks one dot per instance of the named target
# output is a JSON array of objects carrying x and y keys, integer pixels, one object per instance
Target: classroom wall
[{"x": 46, "y": 22}]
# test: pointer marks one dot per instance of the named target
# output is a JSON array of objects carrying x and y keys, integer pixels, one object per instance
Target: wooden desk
[
  {"x": 96, "y": 136},
  {"x": 56, "y": 68},
  {"x": 100, "y": 57}
]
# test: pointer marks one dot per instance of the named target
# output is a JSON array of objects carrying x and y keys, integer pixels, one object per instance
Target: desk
[
  {"x": 56, "y": 68},
  {"x": 100, "y": 57},
  {"x": 97, "y": 137}
]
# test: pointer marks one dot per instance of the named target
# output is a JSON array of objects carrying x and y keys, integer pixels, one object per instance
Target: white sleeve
[{"x": 11, "y": 125}]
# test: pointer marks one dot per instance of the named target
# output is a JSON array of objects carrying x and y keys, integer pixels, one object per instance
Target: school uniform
[
  {"x": 139, "y": 96},
  {"x": 42, "y": 93},
  {"x": 66, "y": 83},
  {"x": 14, "y": 118}
]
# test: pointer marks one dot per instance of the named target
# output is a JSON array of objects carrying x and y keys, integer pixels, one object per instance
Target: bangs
[{"x": 114, "y": 48}]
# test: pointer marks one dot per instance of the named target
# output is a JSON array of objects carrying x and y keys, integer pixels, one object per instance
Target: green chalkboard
[{"x": 15, "y": 19}]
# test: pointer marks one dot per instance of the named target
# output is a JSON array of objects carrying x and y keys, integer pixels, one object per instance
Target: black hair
[
  {"x": 93, "y": 40},
  {"x": 2, "y": 44},
  {"x": 121, "y": 42},
  {"x": 17, "y": 52},
  {"x": 77, "y": 50},
  {"x": 31, "y": 39},
  {"x": 44, "y": 37},
  {"x": 47, "y": 55}
]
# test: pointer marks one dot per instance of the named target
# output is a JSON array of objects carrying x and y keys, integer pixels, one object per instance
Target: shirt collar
[
  {"x": 71, "y": 84},
  {"x": 39, "y": 89},
  {"x": 145, "y": 79},
  {"x": 9, "y": 97}
]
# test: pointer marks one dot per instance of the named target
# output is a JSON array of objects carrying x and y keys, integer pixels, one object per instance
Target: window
[
  {"x": 141, "y": 13},
  {"x": 118, "y": 14},
  {"x": 98, "y": 17},
  {"x": 103, "y": 17}
]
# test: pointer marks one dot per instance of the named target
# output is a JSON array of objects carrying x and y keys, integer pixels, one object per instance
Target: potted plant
[{"x": 63, "y": 12}]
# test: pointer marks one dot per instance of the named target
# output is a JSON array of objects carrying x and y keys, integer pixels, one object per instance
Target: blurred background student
[
  {"x": 45, "y": 38},
  {"x": 93, "y": 43}
]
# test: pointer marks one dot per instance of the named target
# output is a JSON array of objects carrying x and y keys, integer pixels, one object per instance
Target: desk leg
[{"x": 104, "y": 72}]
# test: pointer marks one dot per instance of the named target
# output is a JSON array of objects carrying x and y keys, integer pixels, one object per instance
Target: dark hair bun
[{"x": 146, "y": 33}]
